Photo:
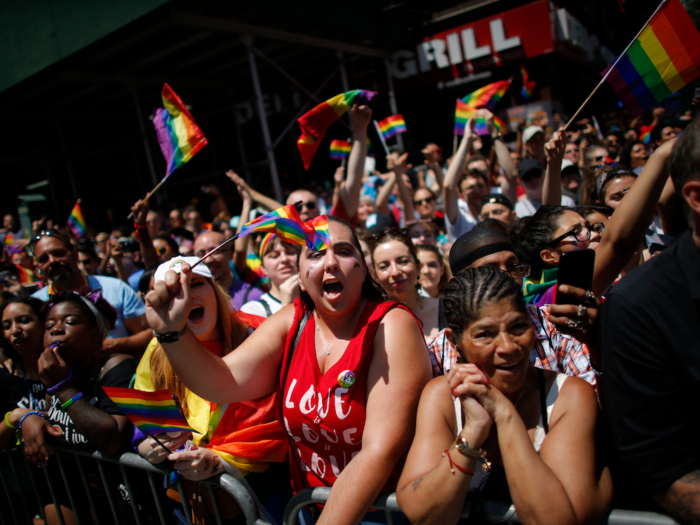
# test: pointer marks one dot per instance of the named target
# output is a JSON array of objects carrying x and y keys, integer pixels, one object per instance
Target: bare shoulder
[
  {"x": 437, "y": 404},
  {"x": 575, "y": 397},
  {"x": 400, "y": 321}
]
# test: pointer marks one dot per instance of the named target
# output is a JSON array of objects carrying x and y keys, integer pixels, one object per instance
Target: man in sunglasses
[
  {"x": 57, "y": 259},
  {"x": 554, "y": 349}
]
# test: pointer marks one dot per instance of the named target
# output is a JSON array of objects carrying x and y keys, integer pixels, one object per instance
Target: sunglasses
[
  {"x": 161, "y": 250},
  {"x": 311, "y": 205},
  {"x": 420, "y": 202}
]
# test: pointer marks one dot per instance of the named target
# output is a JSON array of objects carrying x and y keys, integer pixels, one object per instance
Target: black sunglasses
[
  {"x": 311, "y": 205},
  {"x": 420, "y": 202}
]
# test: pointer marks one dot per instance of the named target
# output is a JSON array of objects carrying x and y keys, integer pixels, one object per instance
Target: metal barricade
[
  {"x": 21, "y": 483},
  {"x": 387, "y": 502}
]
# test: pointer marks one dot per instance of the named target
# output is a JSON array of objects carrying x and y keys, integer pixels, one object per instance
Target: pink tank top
[{"x": 324, "y": 414}]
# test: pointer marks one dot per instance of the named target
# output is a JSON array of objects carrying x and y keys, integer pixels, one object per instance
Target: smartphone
[{"x": 575, "y": 269}]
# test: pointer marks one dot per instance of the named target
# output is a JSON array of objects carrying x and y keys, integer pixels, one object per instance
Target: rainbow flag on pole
[
  {"x": 391, "y": 126},
  {"x": 340, "y": 149},
  {"x": 528, "y": 85},
  {"x": 464, "y": 112},
  {"x": 316, "y": 122},
  {"x": 178, "y": 135},
  {"x": 76, "y": 221},
  {"x": 151, "y": 412},
  {"x": 487, "y": 96},
  {"x": 664, "y": 58}
]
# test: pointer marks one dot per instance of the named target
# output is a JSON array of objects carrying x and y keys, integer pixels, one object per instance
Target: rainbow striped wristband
[{"x": 71, "y": 400}]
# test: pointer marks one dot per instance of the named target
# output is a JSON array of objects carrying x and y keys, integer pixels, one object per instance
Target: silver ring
[
  {"x": 590, "y": 296},
  {"x": 581, "y": 311},
  {"x": 573, "y": 324}
]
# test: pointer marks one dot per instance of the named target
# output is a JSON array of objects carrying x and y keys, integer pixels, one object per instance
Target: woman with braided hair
[{"x": 498, "y": 429}]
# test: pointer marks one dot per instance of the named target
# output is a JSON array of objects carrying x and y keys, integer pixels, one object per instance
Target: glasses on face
[
  {"x": 420, "y": 202},
  {"x": 518, "y": 272},
  {"x": 581, "y": 232},
  {"x": 47, "y": 233},
  {"x": 617, "y": 196},
  {"x": 161, "y": 250},
  {"x": 311, "y": 205}
]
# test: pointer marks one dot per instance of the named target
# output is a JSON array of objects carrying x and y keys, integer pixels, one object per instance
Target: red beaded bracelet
[{"x": 453, "y": 464}]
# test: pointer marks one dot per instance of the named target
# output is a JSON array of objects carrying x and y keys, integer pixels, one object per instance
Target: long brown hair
[{"x": 233, "y": 332}]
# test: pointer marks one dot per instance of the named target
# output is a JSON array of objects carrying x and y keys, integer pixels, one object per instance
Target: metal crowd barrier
[
  {"x": 387, "y": 503},
  {"x": 20, "y": 505}
]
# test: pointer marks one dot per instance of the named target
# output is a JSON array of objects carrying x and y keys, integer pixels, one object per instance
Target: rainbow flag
[
  {"x": 391, "y": 126},
  {"x": 464, "y": 112},
  {"x": 487, "y": 96},
  {"x": 528, "y": 85},
  {"x": 285, "y": 222},
  {"x": 76, "y": 221},
  {"x": 340, "y": 149},
  {"x": 664, "y": 58},
  {"x": 321, "y": 234},
  {"x": 178, "y": 135},
  {"x": 645, "y": 137},
  {"x": 151, "y": 412},
  {"x": 316, "y": 122}
]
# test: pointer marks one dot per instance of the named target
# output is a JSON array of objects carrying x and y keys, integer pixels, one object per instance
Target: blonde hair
[{"x": 233, "y": 332}]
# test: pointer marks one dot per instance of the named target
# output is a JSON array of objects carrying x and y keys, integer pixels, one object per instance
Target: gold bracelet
[{"x": 463, "y": 447}]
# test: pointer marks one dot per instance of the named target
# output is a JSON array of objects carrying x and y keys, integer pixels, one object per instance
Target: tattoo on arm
[
  {"x": 97, "y": 426},
  {"x": 416, "y": 483},
  {"x": 682, "y": 500}
]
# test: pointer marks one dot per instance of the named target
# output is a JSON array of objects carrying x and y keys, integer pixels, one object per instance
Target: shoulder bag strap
[{"x": 543, "y": 400}]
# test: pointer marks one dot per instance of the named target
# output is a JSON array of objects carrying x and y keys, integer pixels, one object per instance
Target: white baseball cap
[
  {"x": 176, "y": 264},
  {"x": 530, "y": 132}
]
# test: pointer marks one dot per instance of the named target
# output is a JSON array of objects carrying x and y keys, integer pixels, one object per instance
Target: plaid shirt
[{"x": 552, "y": 351}]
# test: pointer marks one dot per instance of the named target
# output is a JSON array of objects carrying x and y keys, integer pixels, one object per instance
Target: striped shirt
[{"x": 552, "y": 351}]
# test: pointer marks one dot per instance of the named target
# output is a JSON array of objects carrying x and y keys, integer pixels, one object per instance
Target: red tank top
[{"x": 324, "y": 414}]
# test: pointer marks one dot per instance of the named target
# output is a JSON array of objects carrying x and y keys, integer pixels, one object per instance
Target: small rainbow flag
[
  {"x": 151, "y": 412},
  {"x": 76, "y": 221},
  {"x": 178, "y": 135},
  {"x": 528, "y": 85},
  {"x": 391, "y": 126},
  {"x": 340, "y": 149},
  {"x": 662, "y": 60},
  {"x": 316, "y": 122},
  {"x": 646, "y": 137},
  {"x": 464, "y": 112},
  {"x": 321, "y": 235},
  {"x": 487, "y": 96},
  {"x": 286, "y": 223}
]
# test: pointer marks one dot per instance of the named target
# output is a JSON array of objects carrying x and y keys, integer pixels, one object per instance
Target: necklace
[
  {"x": 328, "y": 352},
  {"x": 33, "y": 403}
]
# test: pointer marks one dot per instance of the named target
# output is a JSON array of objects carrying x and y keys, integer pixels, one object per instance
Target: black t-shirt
[
  {"x": 120, "y": 376},
  {"x": 14, "y": 393},
  {"x": 650, "y": 342}
]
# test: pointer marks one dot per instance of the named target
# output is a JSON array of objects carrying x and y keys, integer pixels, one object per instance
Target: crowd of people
[{"x": 485, "y": 376}]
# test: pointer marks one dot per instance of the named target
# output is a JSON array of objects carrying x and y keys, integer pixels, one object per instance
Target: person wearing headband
[
  {"x": 279, "y": 264},
  {"x": 244, "y": 440},
  {"x": 612, "y": 185},
  {"x": 74, "y": 369},
  {"x": 346, "y": 365}
]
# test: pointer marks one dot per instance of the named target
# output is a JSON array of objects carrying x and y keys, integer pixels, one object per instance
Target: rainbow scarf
[
  {"x": 316, "y": 122},
  {"x": 528, "y": 85},
  {"x": 464, "y": 112},
  {"x": 178, "y": 135},
  {"x": 664, "y": 58},
  {"x": 151, "y": 412},
  {"x": 391, "y": 126},
  {"x": 487, "y": 96},
  {"x": 76, "y": 221},
  {"x": 340, "y": 149}
]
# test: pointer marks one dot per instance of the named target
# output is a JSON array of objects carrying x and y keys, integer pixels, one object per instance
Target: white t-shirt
[
  {"x": 255, "y": 308},
  {"x": 464, "y": 222},
  {"x": 527, "y": 207}
]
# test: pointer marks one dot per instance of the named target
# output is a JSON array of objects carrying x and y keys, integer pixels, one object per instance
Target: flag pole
[
  {"x": 381, "y": 137},
  {"x": 214, "y": 250},
  {"x": 150, "y": 194},
  {"x": 607, "y": 73}
]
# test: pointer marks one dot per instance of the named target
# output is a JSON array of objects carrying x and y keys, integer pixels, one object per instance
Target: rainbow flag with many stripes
[
  {"x": 76, "y": 221},
  {"x": 340, "y": 149},
  {"x": 487, "y": 96},
  {"x": 316, "y": 122},
  {"x": 286, "y": 223},
  {"x": 178, "y": 135},
  {"x": 528, "y": 85},
  {"x": 662, "y": 60},
  {"x": 391, "y": 126},
  {"x": 464, "y": 112},
  {"x": 151, "y": 412}
]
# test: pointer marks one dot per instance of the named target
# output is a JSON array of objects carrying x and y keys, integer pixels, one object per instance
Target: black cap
[
  {"x": 379, "y": 222},
  {"x": 526, "y": 165},
  {"x": 496, "y": 198},
  {"x": 476, "y": 244}
]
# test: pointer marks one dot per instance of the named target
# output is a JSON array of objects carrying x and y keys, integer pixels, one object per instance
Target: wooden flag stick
[
  {"x": 150, "y": 194},
  {"x": 607, "y": 73}
]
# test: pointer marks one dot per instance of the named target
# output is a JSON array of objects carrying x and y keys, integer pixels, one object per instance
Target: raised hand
[
  {"x": 396, "y": 162},
  {"x": 339, "y": 175},
  {"x": 169, "y": 303},
  {"x": 579, "y": 321},
  {"x": 140, "y": 211},
  {"x": 556, "y": 146},
  {"x": 360, "y": 117}
]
